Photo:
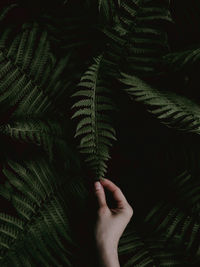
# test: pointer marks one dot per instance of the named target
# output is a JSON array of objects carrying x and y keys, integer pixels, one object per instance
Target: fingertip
[{"x": 97, "y": 186}]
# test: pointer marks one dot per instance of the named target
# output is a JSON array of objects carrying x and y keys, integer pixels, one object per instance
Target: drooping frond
[
  {"x": 40, "y": 232},
  {"x": 94, "y": 107},
  {"x": 171, "y": 109}
]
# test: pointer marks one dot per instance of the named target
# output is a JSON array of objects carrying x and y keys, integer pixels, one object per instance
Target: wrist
[
  {"x": 108, "y": 255},
  {"x": 107, "y": 246},
  {"x": 108, "y": 249}
]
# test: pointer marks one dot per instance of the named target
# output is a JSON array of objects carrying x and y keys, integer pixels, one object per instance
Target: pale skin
[{"x": 111, "y": 222}]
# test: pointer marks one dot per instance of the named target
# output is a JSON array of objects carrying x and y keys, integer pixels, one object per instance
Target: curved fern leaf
[
  {"x": 6, "y": 10},
  {"x": 95, "y": 123},
  {"x": 171, "y": 109}
]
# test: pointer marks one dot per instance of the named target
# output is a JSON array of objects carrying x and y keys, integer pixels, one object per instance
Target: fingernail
[{"x": 97, "y": 185}]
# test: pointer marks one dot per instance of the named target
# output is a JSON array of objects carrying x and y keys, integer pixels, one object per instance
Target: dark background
[{"x": 148, "y": 154}]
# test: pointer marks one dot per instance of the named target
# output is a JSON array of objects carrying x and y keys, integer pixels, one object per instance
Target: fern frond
[
  {"x": 26, "y": 64},
  {"x": 41, "y": 229},
  {"x": 171, "y": 109},
  {"x": 142, "y": 251},
  {"x": 137, "y": 41},
  {"x": 187, "y": 187},
  {"x": 182, "y": 59},
  {"x": 176, "y": 226},
  {"x": 5, "y": 10},
  {"x": 41, "y": 132},
  {"x": 109, "y": 8},
  {"x": 95, "y": 123}
]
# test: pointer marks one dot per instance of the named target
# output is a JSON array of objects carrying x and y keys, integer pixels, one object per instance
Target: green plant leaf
[
  {"x": 173, "y": 110},
  {"x": 94, "y": 127}
]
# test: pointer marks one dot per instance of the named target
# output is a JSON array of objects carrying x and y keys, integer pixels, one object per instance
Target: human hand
[{"x": 111, "y": 222}]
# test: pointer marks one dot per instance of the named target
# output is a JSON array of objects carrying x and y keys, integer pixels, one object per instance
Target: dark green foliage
[
  {"x": 137, "y": 39},
  {"x": 40, "y": 229},
  {"x": 172, "y": 109},
  {"x": 45, "y": 133},
  {"x": 178, "y": 221},
  {"x": 69, "y": 72},
  {"x": 29, "y": 72},
  {"x": 148, "y": 252},
  {"x": 108, "y": 8},
  {"x": 183, "y": 59}
]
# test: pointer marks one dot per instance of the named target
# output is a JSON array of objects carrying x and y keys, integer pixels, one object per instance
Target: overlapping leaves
[
  {"x": 144, "y": 252},
  {"x": 40, "y": 229},
  {"x": 30, "y": 74},
  {"x": 137, "y": 40}
]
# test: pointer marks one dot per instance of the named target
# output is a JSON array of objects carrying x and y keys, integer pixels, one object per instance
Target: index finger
[{"x": 115, "y": 190}]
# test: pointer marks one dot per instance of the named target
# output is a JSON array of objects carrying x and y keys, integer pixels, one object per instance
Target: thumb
[{"x": 99, "y": 191}]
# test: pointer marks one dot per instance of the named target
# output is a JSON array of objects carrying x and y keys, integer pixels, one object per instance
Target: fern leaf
[
  {"x": 26, "y": 64},
  {"x": 178, "y": 222},
  {"x": 6, "y": 10},
  {"x": 94, "y": 126},
  {"x": 136, "y": 41},
  {"x": 42, "y": 226},
  {"x": 147, "y": 251},
  {"x": 108, "y": 8},
  {"x": 41, "y": 132},
  {"x": 182, "y": 59},
  {"x": 172, "y": 110}
]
